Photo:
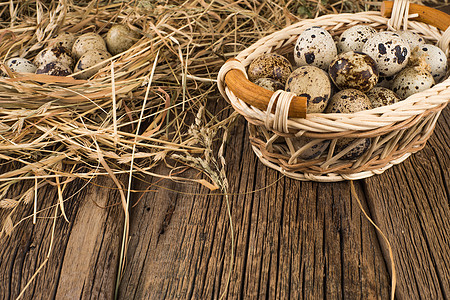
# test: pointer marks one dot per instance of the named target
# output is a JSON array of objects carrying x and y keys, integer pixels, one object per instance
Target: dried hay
[
  {"x": 150, "y": 104},
  {"x": 46, "y": 121}
]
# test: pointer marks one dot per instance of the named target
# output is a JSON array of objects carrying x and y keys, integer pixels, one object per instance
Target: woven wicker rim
[{"x": 331, "y": 123}]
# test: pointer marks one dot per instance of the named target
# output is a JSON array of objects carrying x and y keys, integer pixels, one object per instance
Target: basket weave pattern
[{"x": 396, "y": 131}]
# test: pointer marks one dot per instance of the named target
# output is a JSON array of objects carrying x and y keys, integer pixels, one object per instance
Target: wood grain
[
  {"x": 84, "y": 257},
  {"x": 415, "y": 214},
  {"x": 292, "y": 239},
  {"x": 289, "y": 244}
]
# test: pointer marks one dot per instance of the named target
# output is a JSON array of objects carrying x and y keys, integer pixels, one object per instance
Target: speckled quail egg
[
  {"x": 348, "y": 101},
  {"x": 385, "y": 81},
  {"x": 65, "y": 39},
  {"x": 434, "y": 57},
  {"x": 412, "y": 80},
  {"x": 269, "y": 84},
  {"x": 120, "y": 38},
  {"x": 312, "y": 83},
  {"x": 88, "y": 60},
  {"x": 354, "y": 38},
  {"x": 270, "y": 65},
  {"x": 86, "y": 42},
  {"x": 312, "y": 152},
  {"x": 389, "y": 50},
  {"x": 380, "y": 96},
  {"x": 360, "y": 147},
  {"x": 413, "y": 39},
  {"x": 21, "y": 65},
  {"x": 353, "y": 70},
  {"x": 54, "y": 68},
  {"x": 56, "y": 53},
  {"x": 315, "y": 47}
]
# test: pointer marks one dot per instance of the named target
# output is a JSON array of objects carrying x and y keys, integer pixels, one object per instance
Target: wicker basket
[{"x": 277, "y": 119}]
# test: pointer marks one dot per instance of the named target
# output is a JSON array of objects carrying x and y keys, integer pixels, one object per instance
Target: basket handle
[
  {"x": 259, "y": 97},
  {"x": 428, "y": 15}
]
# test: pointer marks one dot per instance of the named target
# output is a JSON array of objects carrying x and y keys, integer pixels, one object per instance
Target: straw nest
[{"x": 130, "y": 114}]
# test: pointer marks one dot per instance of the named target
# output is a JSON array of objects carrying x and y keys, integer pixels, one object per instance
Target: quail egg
[
  {"x": 269, "y": 84},
  {"x": 413, "y": 39},
  {"x": 380, "y": 96},
  {"x": 65, "y": 39},
  {"x": 54, "y": 68},
  {"x": 315, "y": 47},
  {"x": 354, "y": 38},
  {"x": 356, "y": 151},
  {"x": 21, "y": 65},
  {"x": 313, "y": 151},
  {"x": 348, "y": 101},
  {"x": 412, "y": 80},
  {"x": 56, "y": 53},
  {"x": 434, "y": 57},
  {"x": 86, "y": 42},
  {"x": 120, "y": 38},
  {"x": 88, "y": 60},
  {"x": 389, "y": 50},
  {"x": 312, "y": 83},
  {"x": 385, "y": 81},
  {"x": 353, "y": 70},
  {"x": 270, "y": 65}
]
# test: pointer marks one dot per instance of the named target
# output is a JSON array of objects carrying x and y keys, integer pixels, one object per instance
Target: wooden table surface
[{"x": 293, "y": 239}]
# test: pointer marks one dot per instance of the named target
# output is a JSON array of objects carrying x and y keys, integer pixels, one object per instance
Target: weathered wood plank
[
  {"x": 84, "y": 256},
  {"x": 293, "y": 239},
  {"x": 288, "y": 244},
  {"x": 93, "y": 246},
  {"x": 415, "y": 214}
]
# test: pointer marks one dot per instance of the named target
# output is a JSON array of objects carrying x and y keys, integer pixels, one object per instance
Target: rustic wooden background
[{"x": 292, "y": 239}]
